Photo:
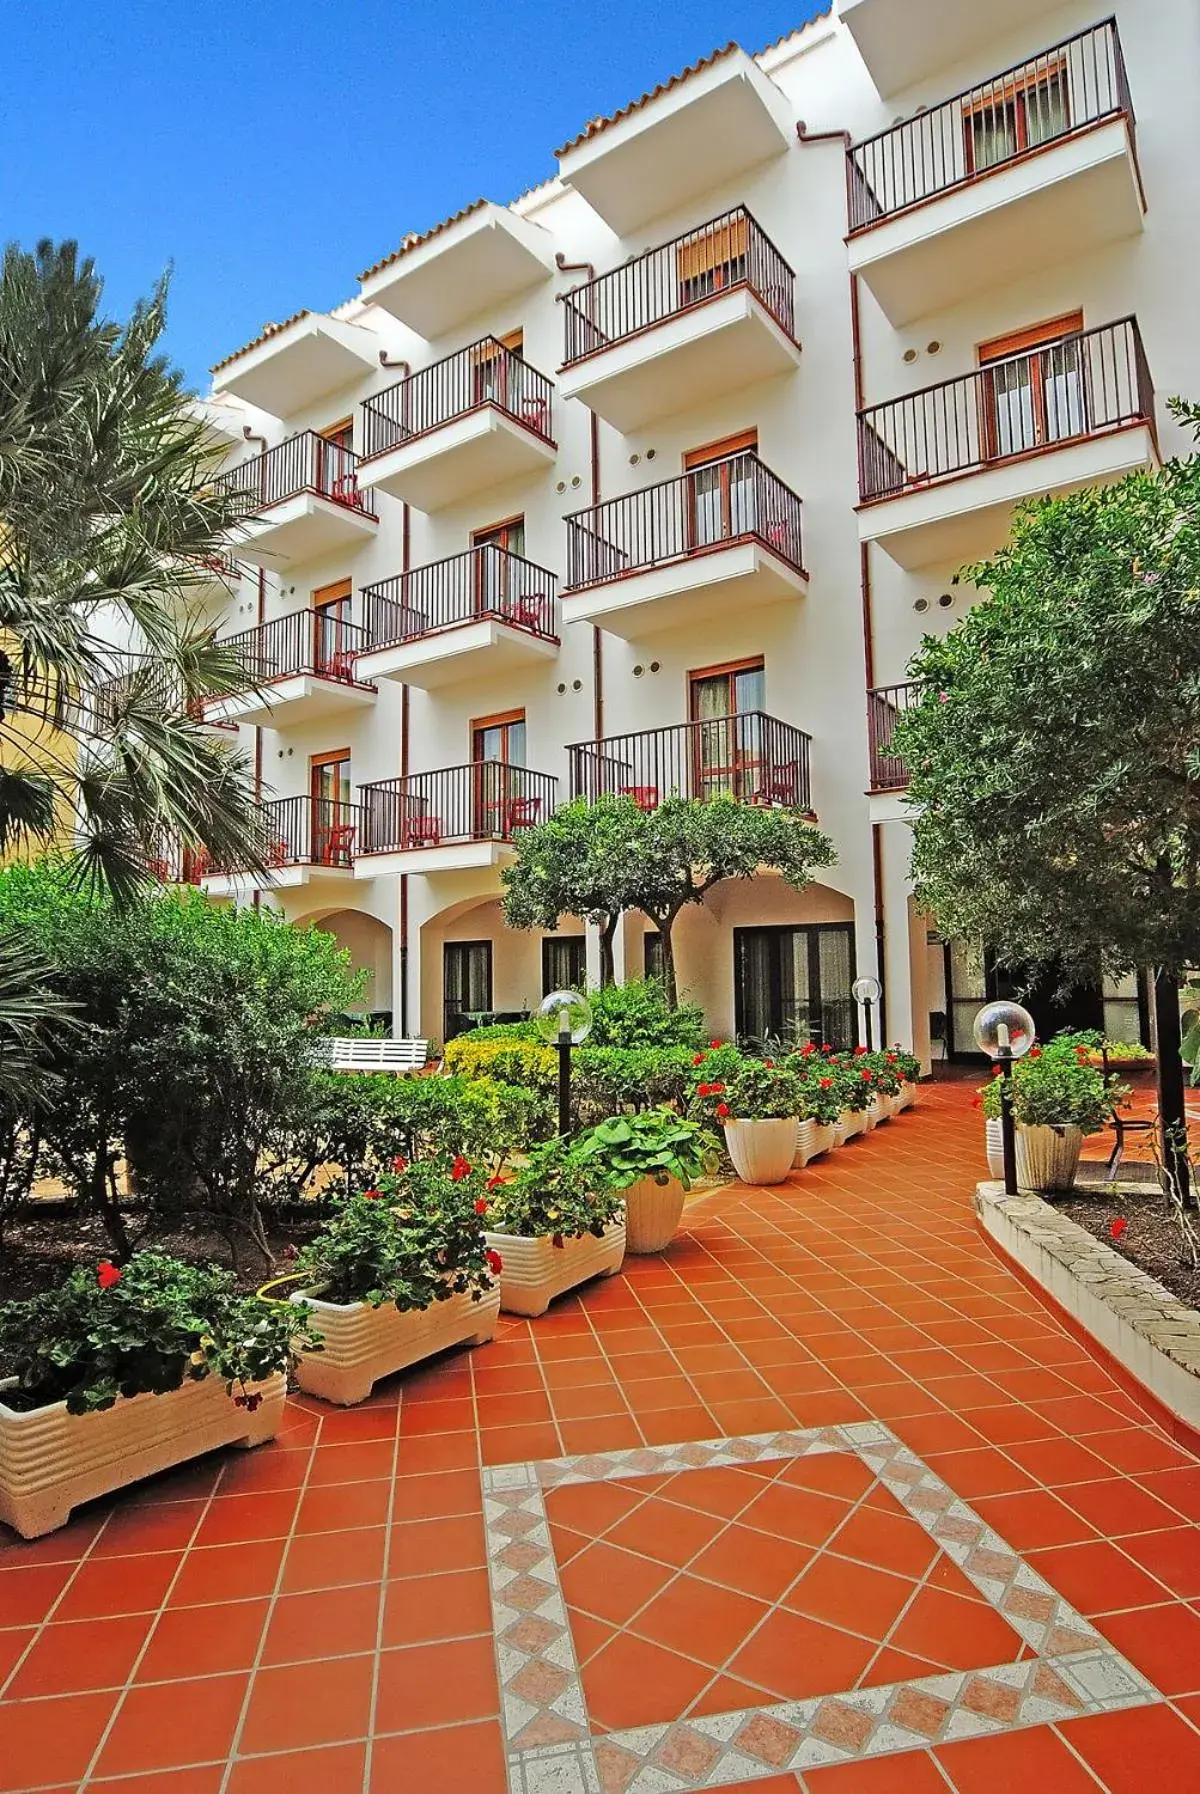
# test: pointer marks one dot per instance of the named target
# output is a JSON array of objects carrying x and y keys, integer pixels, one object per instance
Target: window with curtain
[
  {"x": 466, "y": 984},
  {"x": 727, "y": 704},
  {"x": 564, "y": 963},
  {"x": 1016, "y": 118},
  {"x": 792, "y": 984}
]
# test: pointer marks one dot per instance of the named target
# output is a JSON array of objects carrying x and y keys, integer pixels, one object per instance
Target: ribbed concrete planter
[
  {"x": 824, "y": 1138},
  {"x": 839, "y": 1131},
  {"x": 805, "y": 1149},
  {"x": 535, "y": 1270},
  {"x": 652, "y": 1214},
  {"x": 51, "y": 1461},
  {"x": 363, "y": 1343},
  {"x": 854, "y": 1121},
  {"x": 1047, "y": 1157},
  {"x": 762, "y": 1151},
  {"x": 906, "y": 1096},
  {"x": 994, "y": 1141}
]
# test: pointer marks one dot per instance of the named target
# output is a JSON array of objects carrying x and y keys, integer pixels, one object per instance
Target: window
[
  {"x": 726, "y": 704},
  {"x": 712, "y": 261},
  {"x": 494, "y": 373},
  {"x": 500, "y": 796},
  {"x": 332, "y": 811},
  {"x": 499, "y": 583},
  {"x": 466, "y": 985},
  {"x": 721, "y": 489},
  {"x": 652, "y": 954},
  {"x": 1016, "y": 116},
  {"x": 793, "y": 984},
  {"x": 331, "y": 614},
  {"x": 564, "y": 963},
  {"x": 1033, "y": 387},
  {"x": 335, "y": 463},
  {"x": 340, "y": 435}
]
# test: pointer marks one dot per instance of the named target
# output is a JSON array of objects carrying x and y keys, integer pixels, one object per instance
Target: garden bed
[{"x": 1150, "y": 1239}]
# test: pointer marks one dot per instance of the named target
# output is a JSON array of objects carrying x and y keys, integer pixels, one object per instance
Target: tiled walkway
[{"x": 318, "y": 1615}]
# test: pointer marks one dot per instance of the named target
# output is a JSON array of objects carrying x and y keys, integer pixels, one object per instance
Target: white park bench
[{"x": 361, "y": 1054}]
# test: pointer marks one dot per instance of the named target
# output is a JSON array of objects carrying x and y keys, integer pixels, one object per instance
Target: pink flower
[
  {"x": 943, "y": 697},
  {"x": 107, "y": 1274}
]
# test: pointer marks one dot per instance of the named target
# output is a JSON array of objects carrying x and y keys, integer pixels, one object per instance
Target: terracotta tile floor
[{"x": 316, "y": 1615}]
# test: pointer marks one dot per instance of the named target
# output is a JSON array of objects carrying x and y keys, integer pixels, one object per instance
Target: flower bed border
[{"x": 1149, "y": 1339}]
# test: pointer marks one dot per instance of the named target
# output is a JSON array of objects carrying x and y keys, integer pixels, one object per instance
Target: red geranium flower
[
  {"x": 859, "y": 1051},
  {"x": 1117, "y": 1228},
  {"x": 495, "y": 1263},
  {"x": 481, "y": 1207},
  {"x": 826, "y": 1083},
  {"x": 703, "y": 1089},
  {"x": 460, "y": 1168},
  {"x": 866, "y": 1076},
  {"x": 770, "y": 1064},
  {"x": 1035, "y": 1052},
  {"x": 806, "y": 1049},
  {"x": 371, "y": 1195},
  {"x": 107, "y": 1274},
  {"x": 826, "y": 1048},
  {"x": 717, "y": 1089},
  {"x": 891, "y": 1058},
  {"x": 699, "y": 1059},
  {"x": 714, "y": 1044},
  {"x": 723, "y": 1110},
  {"x": 399, "y": 1164},
  {"x": 977, "y": 1102},
  {"x": 493, "y": 1183}
]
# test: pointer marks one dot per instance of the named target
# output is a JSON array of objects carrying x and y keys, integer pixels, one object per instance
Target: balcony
[
  {"x": 709, "y": 313},
  {"x": 697, "y": 132},
  {"x": 941, "y": 471},
  {"x": 884, "y": 705},
  {"x": 903, "y": 41},
  {"x": 295, "y": 365},
  {"x": 456, "y": 819},
  {"x": 468, "y": 617},
  {"x": 299, "y": 500},
  {"x": 472, "y": 265},
  {"x": 300, "y": 668},
  {"x": 150, "y": 683},
  {"x": 308, "y": 840},
  {"x": 1035, "y": 167},
  {"x": 753, "y": 757},
  {"x": 716, "y": 541},
  {"x": 478, "y": 419}
]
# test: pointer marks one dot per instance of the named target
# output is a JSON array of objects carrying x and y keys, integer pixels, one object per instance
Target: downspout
[
  {"x": 589, "y": 269},
  {"x": 252, "y": 436}
]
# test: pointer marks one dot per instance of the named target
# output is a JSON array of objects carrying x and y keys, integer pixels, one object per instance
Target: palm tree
[{"x": 108, "y": 519}]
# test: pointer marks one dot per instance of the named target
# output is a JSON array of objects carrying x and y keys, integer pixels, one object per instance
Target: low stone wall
[{"x": 1139, "y": 1324}]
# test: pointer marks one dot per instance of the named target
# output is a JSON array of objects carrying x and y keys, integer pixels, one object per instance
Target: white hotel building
[{"x": 652, "y": 480}]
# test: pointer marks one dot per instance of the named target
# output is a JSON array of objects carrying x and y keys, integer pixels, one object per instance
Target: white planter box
[
  {"x": 535, "y": 1271},
  {"x": 824, "y": 1138},
  {"x": 994, "y": 1141},
  {"x": 906, "y": 1096},
  {"x": 1047, "y": 1157},
  {"x": 652, "y": 1214},
  {"x": 805, "y": 1150},
  {"x": 363, "y": 1343},
  {"x": 762, "y": 1151},
  {"x": 839, "y": 1131},
  {"x": 853, "y": 1122},
  {"x": 51, "y": 1461}
]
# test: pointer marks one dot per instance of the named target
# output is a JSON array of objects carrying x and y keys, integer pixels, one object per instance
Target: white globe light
[
  {"x": 1002, "y": 1025},
  {"x": 571, "y": 1004},
  {"x": 866, "y": 989}
]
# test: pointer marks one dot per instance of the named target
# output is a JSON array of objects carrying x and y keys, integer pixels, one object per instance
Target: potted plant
[
  {"x": 1057, "y": 1098},
  {"x": 398, "y": 1273},
  {"x": 887, "y": 1081},
  {"x": 759, "y": 1112},
  {"x": 854, "y": 1089},
  {"x": 558, "y": 1223},
  {"x": 654, "y": 1157},
  {"x": 820, "y": 1107},
  {"x": 126, "y": 1370},
  {"x": 909, "y": 1067}
]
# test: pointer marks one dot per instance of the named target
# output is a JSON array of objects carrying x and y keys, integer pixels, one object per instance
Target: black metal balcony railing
[
  {"x": 486, "y": 582},
  {"x": 153, "y": 684},
  {"x": 486, "y": 373},
  {"x": 307, "y": 641},
  {"x": 1077, "y": 386},
  {"x": 884, "y": 705},
  {"x": 727, "y": 252},
  {"x": 486, "y": 801},
  {"x": 305, "y": 831},
  {"x": 304, "y": 463},
  {"x": 733, "y": 500},
  {"x": 753, "y": 757},
  {"x": 1075, "y": 84}
]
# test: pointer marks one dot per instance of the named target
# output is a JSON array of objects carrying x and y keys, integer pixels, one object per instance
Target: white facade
[{"x": 1079, "y": 212}]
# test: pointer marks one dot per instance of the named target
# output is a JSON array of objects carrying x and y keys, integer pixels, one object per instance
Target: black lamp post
[
  {"x": 564, "y": 1020},
  {"x": 867, "y": 991},
  {"x": 1005, "y": 1032}
]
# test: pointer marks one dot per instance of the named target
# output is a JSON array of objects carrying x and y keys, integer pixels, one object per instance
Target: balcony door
[
  {"x": 793, "y": 984},
  {"x": 1016, "y": 116},
  {"x": 497, "y": 579},
  {"x": 493, "y": 380},
  {"x": 331, "y": 618},
  {"x": 1033, "y": 387},
  {"x": 712, "y": 261},
  {"x": 335, "y": 462},
  {"x": 332, "y": 823},
  {"x": 466, "y": 985},
  {"x": 498, "y": 799},
  {"x": 720, "y": 490},
  {"x": 725, "y": 705},
  {"x": 564, "y": 962}
]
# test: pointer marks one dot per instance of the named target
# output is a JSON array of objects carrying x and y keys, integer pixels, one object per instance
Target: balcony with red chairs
[
  {"x": 1033, "y": 167},
  {"x": 298, "y": 501},
  {"x": 885, "y": 705},
  {"x": 453, "y": 819},
  {"x": 297, "y": 669},
  {"x": 476, "y": 419},
  {"x": 942, "y": 470},
  {"x": 709, "y": 313},
  {"x": 306, "y": 839},
  {"x": 713, "y": 542},
  {"x": 470, "y": 615},
  {"x": 751, "y": 756}
]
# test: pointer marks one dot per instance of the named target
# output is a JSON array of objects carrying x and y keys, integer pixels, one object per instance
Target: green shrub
[
  {"x": 820, "y": 1090},
  {"x": 1056, "y": 1090},
  {"x": 512, "y": 1061},
  {"x": 527, "y": 1030},
  {"x": 658, "y": 1144},
  {"x": 761, "y": 1091},
  {"x": 637, "y": 1015},
  {"x": 559, "y": 1194},
  {"x": 144, "y": 1328},
  {"x": 608, "y": 1080}
]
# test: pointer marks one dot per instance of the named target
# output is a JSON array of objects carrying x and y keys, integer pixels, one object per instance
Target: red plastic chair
[
  {"x": 644, "y": 796},
  {"x": 521, "y": 812},
  {"x": 339, "y": 845},
  {"x": 422, "y": 831}
]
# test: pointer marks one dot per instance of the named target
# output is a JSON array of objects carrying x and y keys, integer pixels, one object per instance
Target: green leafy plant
[
  {"x": 558, "y": 1194},
  {"x": 1056, "y": 1090},
  {"x": 820, "y": 1089},
  {"x": 143, "y": 1328},
  {"x": 637, "y": 1015},
  {"x": 608, "y": 1080},
  {"x": 414, "y": 1239},
  {"x": 657, "y": 1143},
  {"x": 512, "y": 1061},
  {"x": 760, "y": 1091}
]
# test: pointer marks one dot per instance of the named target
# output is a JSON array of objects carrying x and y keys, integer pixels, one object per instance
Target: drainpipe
[
  {"x": 253, "y": 437},
  {"x": 589, "y": 269}
]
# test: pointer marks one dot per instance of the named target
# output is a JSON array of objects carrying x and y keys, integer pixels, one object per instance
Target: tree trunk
[
  {"x": 668, "y": 961},
  {"x": 608, "y": 969},
  {"x": 109, "y": 1212},
  {"x": 1171, "y": 1111}
]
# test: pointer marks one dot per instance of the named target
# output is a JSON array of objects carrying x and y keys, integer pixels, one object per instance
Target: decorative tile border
[{"x": 551, "y": 1749}]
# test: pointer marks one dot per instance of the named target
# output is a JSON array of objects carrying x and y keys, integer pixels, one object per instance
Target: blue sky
[{"x": 271, "y": 149}]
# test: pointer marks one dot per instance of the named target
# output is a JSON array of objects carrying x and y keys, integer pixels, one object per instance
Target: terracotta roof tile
[
  {"x": 264, "y": 336},
  {"x": 414, "y": 240},
  {"x": 596, "y": 125}
]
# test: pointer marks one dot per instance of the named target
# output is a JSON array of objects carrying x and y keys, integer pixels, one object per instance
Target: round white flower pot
[
  {"x": 363, "y": 1343},
  {"x": 762, "y": 1151},
  {"x": 1047, "y": 1157},
  {"x": 652, "y": 1214},
  {"x": 51, "y": 1461},
  {"x": 536, "y": 1270}
]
